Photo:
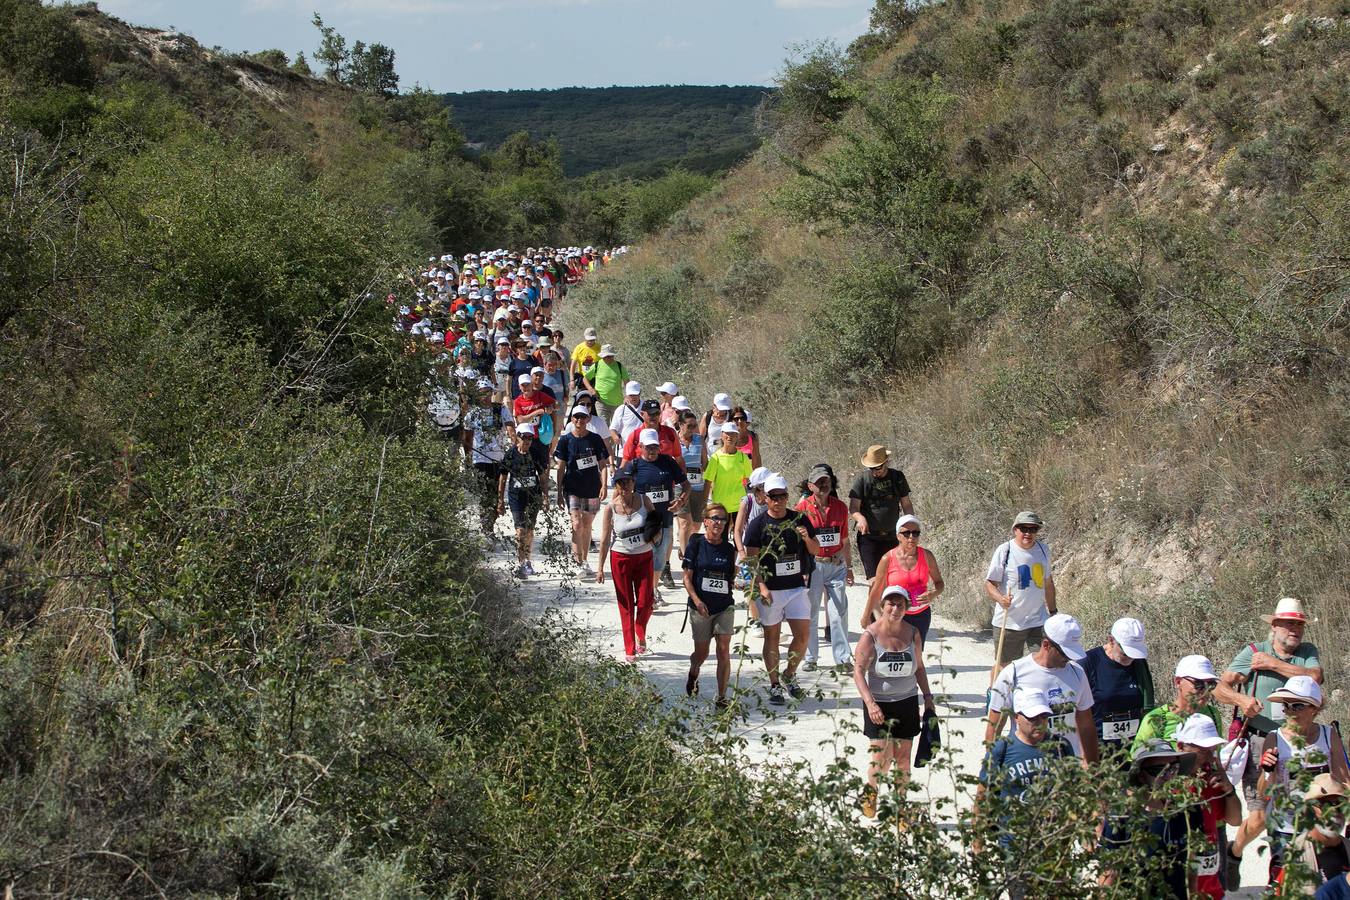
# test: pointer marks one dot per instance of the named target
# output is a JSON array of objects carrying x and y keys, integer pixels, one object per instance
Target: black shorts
[
  {"x": 871, "y": 549},
  {"x": 525, "y": 507},
  {"x": 902, "y": 720}
]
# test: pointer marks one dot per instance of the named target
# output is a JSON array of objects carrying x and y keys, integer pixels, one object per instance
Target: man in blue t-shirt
[{"x": 583, "y": 457}]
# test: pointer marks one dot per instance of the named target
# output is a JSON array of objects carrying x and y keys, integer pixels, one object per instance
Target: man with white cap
[
  {"x": 1022, "y": 589},
  {"x": 1017, "y": 760},
  {"x": 662, "y": 480},
  {"x": 1193, "y": 684},
  {"x": 606, "y": 378},
  {"x": 1122, "y": 686},
  {"x": 1054, "y": 670},
  {"x": 583, "y": 458},
  {"x": 584, "y": 355},
  {"x": 626, "y": 419},
  {"x": 782, "y": 544},
  {"x": 1219, "y": 803},
  {"x": 1257, "y": 671}
]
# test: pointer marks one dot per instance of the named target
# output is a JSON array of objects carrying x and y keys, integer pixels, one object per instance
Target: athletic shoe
[
  {"x": 809, "y": 665},
  {"x": 522, "y": 571},
  {"x": 666, "y": 580},
  {"x": 691, "y": 686},
  {"x": 587, "y": 571},
  {"x": 756, "y": 623},
  {"x": 794, "y": 688},
  {"x": 776, "y": 695},
  {"x": 844, "y": 667},
  {"x": 529, "y": 569},
  {"x": 629, "y": 658},
  {"x": 642, "y": 650}
]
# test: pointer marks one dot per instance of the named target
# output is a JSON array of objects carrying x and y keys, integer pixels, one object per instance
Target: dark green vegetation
[
  {"x": 624, "y": 131},
  {"x": 1082, "y": 257}
]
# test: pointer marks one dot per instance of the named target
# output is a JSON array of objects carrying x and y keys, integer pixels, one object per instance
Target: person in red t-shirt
[
  {"x": 670, "y": 438},
  {"x": 1220, "y": 804},
  {"x": 533, "y": 403},
  {"x": 833, "y": 570}
]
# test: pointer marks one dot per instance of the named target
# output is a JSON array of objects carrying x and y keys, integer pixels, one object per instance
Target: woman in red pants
[{"x": 621, "y": 525}]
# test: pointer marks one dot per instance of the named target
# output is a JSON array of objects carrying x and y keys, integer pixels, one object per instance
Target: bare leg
[
  {"x": 771, "y": 633},
  {"x": 801, "y": 630},
  {"x": 723, "y": 663}
]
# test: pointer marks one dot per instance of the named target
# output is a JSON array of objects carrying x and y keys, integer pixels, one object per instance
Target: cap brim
[
  {"x": 1282, "y": 697},
  {"x": 1038, "y": 710},
  {"x": 1133, "y": 652},
  {"x": 1204, "y": 742},
  {"x": 1074, "y": 652}
]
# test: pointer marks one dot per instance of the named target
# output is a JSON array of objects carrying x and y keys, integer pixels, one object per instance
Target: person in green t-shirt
[
  {"x": 1195, "y": 681},
  {"x": 726, "y": 470},
  {"x": 1257, "y": 671},
  {"x": 606, "y": 378}
]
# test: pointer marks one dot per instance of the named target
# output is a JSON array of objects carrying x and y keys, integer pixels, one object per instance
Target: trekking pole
[{"x": 998, "y": 654}]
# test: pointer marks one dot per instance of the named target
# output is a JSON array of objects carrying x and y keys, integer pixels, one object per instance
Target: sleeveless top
[
  {"x": 715, "y": 432},
  {"x": 891, "y": 677},
  {"x": 1312, "y": 758},
  {"x": 627, "y": 529},
  {"x": 914, "y": 580},
  {"x": 693, "y": 461}
]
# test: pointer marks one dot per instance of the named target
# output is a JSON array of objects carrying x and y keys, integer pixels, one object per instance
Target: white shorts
[{"x": 790, "y": 604}]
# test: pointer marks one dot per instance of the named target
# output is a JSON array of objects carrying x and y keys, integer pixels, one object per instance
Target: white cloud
[{"x": 668, "y": 42}]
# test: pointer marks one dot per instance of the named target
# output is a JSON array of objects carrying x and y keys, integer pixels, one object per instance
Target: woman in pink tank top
[{"x": 913, "y": 568}]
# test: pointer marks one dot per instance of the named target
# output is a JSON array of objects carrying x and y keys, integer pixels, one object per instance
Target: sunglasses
[
  {"x": 1200, "y": 684},
  {"x": 1298, "y": 707},
  {"x": 720, "y": 520},
  {"x": 1028, "y": 529},
  {"x": 910, "y": 534},
  {"x": 778, "y": 495}
]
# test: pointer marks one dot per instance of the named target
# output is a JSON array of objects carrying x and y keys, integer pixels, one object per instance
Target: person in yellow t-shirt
[
  {"x": 727, "y": 470},
  {"x": 584, "y": 354}
]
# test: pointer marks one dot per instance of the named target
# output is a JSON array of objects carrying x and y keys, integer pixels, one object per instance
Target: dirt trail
[{"x": 827, "y": 723}]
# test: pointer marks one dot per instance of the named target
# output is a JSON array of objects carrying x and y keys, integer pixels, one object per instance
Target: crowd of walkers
[{"x": 541, "y": 422}]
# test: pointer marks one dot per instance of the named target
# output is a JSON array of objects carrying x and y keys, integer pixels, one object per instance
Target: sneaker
[
  {"x": 666, "y": 580},
  {"x": 522, "y": 571},
  {"x": 756, "y": 623},
  {"x": 776, "y": 695},
  {"x": 691, "y": 686},
  {"x": 844, "y": 667},
  {"x": 629, "y": 658},
  {"x": 809, "y": 666},
  {"x": 642, "y": 650},
  {"x": 529, "y": 569},
  {"x": 794, "y": 689},
  {"x": 587, "y": 571}
]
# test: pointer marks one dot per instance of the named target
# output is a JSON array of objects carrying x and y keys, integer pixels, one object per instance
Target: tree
[
  {"x": 301, "y": 65},
  {"x": 332, "y": 50},
  {"x": 371, "y": 69}
]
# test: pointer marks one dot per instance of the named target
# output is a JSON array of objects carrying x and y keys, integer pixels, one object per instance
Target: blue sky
[{"x": 461, "y": 45}]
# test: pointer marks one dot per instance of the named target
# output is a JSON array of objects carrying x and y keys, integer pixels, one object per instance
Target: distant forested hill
[{"x": 638, "y": 130}]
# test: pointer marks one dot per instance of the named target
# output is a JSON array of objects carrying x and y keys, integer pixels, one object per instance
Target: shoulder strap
[{"x": 1007, "y": 552}]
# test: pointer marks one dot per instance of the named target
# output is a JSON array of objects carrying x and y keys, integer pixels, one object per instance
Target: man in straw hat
[
  {"x": 876, "y": 499},
  {"x": 1257, "y": 671}
]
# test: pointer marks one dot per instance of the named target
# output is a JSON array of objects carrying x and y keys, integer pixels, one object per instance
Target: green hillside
[
  {"x": 1086, "y": 258},
  {"x": 632, "y": 131}
]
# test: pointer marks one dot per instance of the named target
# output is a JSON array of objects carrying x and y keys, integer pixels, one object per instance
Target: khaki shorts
[
  {"x": 1017, "y": 644},
  {"x": 704, "y": 627}
]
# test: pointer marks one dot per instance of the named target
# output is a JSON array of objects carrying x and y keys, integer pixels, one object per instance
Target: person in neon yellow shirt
[
  {"x": 585, "y": 354},
  {"x": 727, "y": 470}
]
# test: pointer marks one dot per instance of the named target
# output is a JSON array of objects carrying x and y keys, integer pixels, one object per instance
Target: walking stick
[{"x": 998, "y": 654}]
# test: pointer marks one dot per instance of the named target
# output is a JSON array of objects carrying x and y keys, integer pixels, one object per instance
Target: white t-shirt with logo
[
  {"x": 1066, "y": 689},
  {"x": 1026, "y": 572}
]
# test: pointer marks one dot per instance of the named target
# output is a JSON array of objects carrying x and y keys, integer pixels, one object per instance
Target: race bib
[
  {"x": 895, "y": 663},
  {"x": 828, "y": 538},
  {"x": 695, "y": 478},
  {"x": 586, "y": 462},
  {"x": 1208, "y": 863},
  {"x": 788, "y": 565},
  {"x": 526, "y": 482},
  {"x": 631, "y": 539},
  {"x": 715, "y": 584},
  {"x": 1119, "y": 730},
  {"x": 660, "y": 495}
]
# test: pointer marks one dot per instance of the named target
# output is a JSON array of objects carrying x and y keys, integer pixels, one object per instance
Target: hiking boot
[
  {"x": 809, "y": 666},
  {"x": 776, "y": 695},
  {"x": 794, "y": 689}
]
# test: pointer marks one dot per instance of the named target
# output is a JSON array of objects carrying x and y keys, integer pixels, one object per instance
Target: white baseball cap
[
  {"x": 580, "y": 411},
  {"x": 527, "y": 428},
  {"x": 1129, "y": 634},
  {"x": 1197, "y": 667},
  {"x": 1065, "y": 631},
  {"x": 538, "y": 370},
  {"x": 590, "y": 334},
  {"x": 681, "y": 403},
  {"x": 503, "y": 342},
  {"x": 906, "y": 520},
  {"x": 632, "y": 389},
  {"x": 758, "y": 476},
  {"x": 730, "y": 428},
  {"x": 668, "y": 388},
  {"x": 722, "y": 401},
  {"x": 1029, "y": 702},
  {"x": 896, "y": 590},
  {"x": 649, "y": 437},
  {"x": 1299, "y": 689},
  {"x": 775, "y": 482},
  {"x": 523, "y": 380},
  {"x": 1198, "y": 730}
]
